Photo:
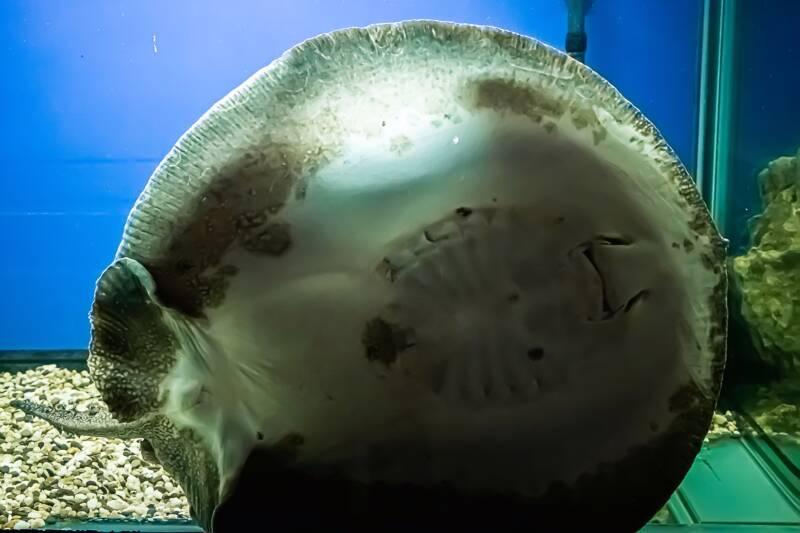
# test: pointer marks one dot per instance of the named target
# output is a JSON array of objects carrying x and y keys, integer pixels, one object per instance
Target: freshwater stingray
[{"x": 415, "y": 271}]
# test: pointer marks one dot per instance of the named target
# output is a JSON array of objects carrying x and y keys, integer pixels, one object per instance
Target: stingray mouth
[{"x": 495, "y": 304}]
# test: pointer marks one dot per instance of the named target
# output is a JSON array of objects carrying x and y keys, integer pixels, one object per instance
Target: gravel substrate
[
  {"x": 47, "y": 476},
  {"x": 723, "y": 425}
]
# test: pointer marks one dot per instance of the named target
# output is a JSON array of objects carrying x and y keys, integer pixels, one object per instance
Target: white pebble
[
  {"x": 116, "y": 505},
  {"x": 91, "y": 462},
  {"x": 132, "y": 483}
]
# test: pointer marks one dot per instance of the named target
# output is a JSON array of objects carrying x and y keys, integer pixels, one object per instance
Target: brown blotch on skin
[
  {"x": 384, "y": 341},
  {"x": 585, "y": 117},
  {"x": 688, "y": 245},
  {"x": 249, "y": 219},
  {"x": 509, "y": 95},
  {"x": 676, "y": 245},
  {"x": 209, "y": 290},
  {"x": 699, "y": 222},
  {"x": 239, "y": 208},
  {"x": 581, "y": 120},
  {"x": 274, "y": 239},
  {"x": 598, "y": 135},
  {"x": 708, "y": 262},
  {"x": 378, "y": 341}
]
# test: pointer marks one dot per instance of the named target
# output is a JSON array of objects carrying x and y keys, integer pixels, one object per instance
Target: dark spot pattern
[
  {"x": 383, "y": 341},
  {"x": 509, "y": 95},
  {"x": 274, "y": 239},
  {"x": 240, "y": 207}
]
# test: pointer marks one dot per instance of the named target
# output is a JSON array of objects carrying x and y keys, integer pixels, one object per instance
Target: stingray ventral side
[{"x": 415, "y": 271}]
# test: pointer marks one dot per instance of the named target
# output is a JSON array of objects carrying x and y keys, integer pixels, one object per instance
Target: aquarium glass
[
  {"x": 97, "y": 92},
  {"x": 756, "y": 203}
]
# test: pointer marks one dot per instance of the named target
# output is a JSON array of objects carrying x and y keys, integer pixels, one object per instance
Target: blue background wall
[{"x": 95, "y": 92}]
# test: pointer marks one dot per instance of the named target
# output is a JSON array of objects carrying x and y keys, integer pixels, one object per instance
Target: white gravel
[
  {"x": 723, "y": 425},
  {"x": 47, "y": 476}
]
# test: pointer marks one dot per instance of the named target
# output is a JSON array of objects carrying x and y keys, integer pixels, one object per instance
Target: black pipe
[{"x": 575, "y": 44}]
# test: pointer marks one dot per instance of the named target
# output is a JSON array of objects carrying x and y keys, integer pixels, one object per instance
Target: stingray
[{"x": 414, "y": 272}]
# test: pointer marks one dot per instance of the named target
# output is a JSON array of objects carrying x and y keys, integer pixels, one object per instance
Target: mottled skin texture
[
  {"x": 130, "y": 353},
  {"x": 225, "y": 187},
  {"x": 241, "y": 208},
  {"x": 131, "y": 348}
]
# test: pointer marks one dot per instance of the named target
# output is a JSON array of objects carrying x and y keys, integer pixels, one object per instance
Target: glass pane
[
  {"x": 102, "y": 90},
  {"x": 760, "y": 213}
]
